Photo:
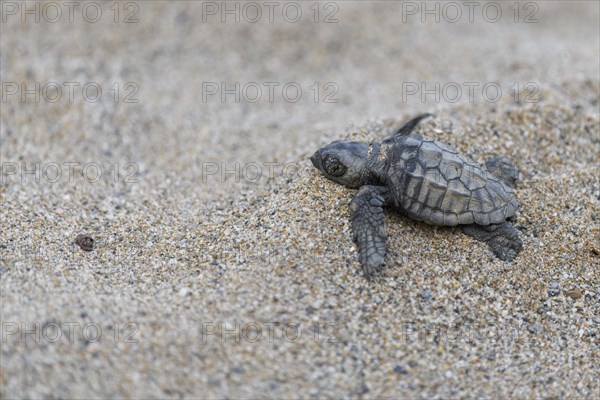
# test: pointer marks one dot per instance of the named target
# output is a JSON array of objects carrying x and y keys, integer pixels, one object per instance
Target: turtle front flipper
[{"x": 368, "y": 226}]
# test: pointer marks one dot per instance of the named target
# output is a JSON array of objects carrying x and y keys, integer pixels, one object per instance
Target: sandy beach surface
[{"x": 223, "y": 265}]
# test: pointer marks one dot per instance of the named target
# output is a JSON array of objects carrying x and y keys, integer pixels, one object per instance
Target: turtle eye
[{"x": 333, "y": 166}]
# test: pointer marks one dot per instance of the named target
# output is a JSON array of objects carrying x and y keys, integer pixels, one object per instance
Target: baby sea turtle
[{"x": 425, "y": 180}]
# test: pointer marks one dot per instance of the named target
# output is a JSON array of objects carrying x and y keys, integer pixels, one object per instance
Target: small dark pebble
[
  {"x": 3, "y": 246},
  {"x": 534, "y": 328},
  {"x": 593, "y": 216},
  {"x": 363, "y": 389},
  {"x": 399, "y": 369},
  {"x": 239, "y": 370},
  {"x": 554, "y": 290},
  {"x": 85, "y": 242},
  {"x": 3, "y": 269}
]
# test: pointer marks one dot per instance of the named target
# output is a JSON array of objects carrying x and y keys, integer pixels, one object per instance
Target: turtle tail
[{"x": 407, "y": 128}]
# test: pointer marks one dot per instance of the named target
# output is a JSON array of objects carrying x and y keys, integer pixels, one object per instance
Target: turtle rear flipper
[
  {"x": 368, "y": 226},
  {"x": 503, "y": 239}
]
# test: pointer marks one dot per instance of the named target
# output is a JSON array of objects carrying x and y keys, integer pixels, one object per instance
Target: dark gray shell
[{"x": 431, "y": 182}]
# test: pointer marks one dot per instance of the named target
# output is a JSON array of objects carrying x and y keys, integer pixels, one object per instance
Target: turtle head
[{"x": 344, "y": 163}]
